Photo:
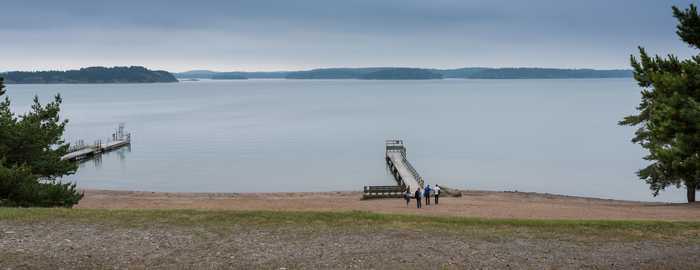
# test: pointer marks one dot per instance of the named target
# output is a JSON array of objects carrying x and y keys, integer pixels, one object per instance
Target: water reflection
[{"x": 97, "y": 159}]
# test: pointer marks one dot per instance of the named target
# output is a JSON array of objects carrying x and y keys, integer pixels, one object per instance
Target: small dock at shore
[
  {"x": 81, "y": 151},
  {"x": 403, "y": 172}
]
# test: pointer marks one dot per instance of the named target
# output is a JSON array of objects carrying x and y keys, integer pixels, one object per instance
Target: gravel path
[{"x": 67, "y": 245}]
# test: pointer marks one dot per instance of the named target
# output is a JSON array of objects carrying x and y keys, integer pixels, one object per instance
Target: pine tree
[
  {"x": 669, "y": 112},
  {"x": 31, "y": 147}
]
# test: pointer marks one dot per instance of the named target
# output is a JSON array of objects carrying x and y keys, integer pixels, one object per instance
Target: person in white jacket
[{"x": 436, "y": 192}]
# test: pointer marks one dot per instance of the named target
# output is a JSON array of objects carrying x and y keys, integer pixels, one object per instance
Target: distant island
[
  {"x": 228, "y": 76},
  {"x": 366, "y": 74},
  {"x": 236, "y": 75},
  {"x": 533, "y": 73},
  {"x": 400, "y": 73},
  {"x": 133, "y": 74}
]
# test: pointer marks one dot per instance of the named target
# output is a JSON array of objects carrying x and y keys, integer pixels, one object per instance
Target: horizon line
[{"x": 307, "y": 69}]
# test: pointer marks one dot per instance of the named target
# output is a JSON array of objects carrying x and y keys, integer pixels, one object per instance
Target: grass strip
[{"x": 358, "y": 220}]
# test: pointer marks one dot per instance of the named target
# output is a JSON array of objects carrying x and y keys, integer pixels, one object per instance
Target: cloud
[{"x": 266, "y": 34}]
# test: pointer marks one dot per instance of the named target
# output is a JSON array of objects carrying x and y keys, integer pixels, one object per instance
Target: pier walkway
[
  {"x": 81, "y": 151},
  {"x": 401, "y": 169}
]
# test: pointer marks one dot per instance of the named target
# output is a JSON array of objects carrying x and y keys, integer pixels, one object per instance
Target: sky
[{"x": 265, "y": 35}]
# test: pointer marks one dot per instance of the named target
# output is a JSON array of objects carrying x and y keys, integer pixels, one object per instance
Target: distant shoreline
[
  {"x": 403, "y": 73},
  {"x": 353, "y": 79},
  {"x": 285, "y": 79},
  {"x": 139, "y": 74},
  {"x": 89, "y": 75},
  {"x": 84, "y": 83}
]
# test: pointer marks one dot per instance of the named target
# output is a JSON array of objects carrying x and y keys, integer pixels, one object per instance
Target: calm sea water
[{"x": 557, "y": 136}]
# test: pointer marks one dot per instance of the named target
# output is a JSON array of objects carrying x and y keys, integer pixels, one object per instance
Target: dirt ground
[
  {"x": 56, "y": 245},
  {"x": 482, "y": 204},
  {"x": 61, "y": 242}
]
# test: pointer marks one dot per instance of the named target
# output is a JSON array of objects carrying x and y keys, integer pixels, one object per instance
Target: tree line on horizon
[
  {"x": 414, "y": 73},
  {"x": 133, "y": 74},
  {"x": 138, "y": 74}
]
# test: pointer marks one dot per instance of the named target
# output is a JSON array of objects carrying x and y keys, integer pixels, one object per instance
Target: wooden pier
[
  {"x": 81, "y": 151},
  {"x": 404, "y": 174}
]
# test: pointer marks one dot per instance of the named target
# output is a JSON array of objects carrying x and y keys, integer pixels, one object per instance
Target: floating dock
[
  {"x": 81, "y": 151},
  {"x": 404, "y": 174}
]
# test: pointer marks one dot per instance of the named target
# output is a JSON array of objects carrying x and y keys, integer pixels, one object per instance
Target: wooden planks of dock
[{"x": 119, "y": 140}]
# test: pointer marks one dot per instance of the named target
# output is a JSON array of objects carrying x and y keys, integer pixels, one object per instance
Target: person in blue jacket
[{"x": 426, "y": 194}]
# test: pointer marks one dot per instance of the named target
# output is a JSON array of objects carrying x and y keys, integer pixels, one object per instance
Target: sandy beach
[{"x": 481, "y": 204}]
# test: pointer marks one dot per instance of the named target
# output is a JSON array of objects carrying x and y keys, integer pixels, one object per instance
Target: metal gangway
[{"x": 401, "y": 169}]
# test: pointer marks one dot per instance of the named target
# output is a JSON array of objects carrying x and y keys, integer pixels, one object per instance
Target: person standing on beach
[
  {"x": 437, "y": 193},
  {"x": 407, "y": 196},
  {"x": 417, "y": 195},
  {"x": 426, "y": 194}
]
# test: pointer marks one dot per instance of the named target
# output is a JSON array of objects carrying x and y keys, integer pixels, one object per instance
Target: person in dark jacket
[
  {"x": 417, "y": 195},
  {"x": 407, "y": 195}
]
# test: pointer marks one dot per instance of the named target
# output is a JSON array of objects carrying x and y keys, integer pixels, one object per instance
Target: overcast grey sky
[{"x": 282, "y": 35}]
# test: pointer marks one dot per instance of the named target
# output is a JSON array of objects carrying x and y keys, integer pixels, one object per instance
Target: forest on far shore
[{"x": 133, "y": 74}]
